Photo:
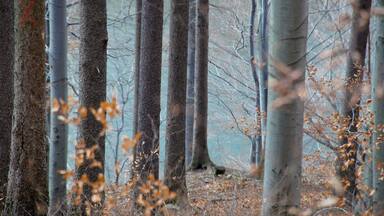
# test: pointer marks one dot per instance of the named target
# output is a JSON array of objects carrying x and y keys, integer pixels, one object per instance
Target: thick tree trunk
[
  {"x": 175, "y": 135},
  {"x": 190, "y": 82},
  {"x": 6, "y": 91},
  {"x": 282, "y": 175},
  {"x": 93, "y": 62},
  {"x": 200, "y": 156},
  {"x": 147, "y": 150},
  {"x": 27, "y": 192},
  {"x": 378, "y": 110},
  {"x": 350, "y": 108},
  {"x": 59, "y": 129}
]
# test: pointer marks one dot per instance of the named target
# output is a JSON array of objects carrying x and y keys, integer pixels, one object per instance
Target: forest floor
[{"x": 239, "y": 193}]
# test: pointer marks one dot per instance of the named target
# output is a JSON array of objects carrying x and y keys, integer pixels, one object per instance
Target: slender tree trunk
[
  {"x": 177, "y": 77},
  {"x": 262, "y": 63},
  {"x": 137, "y": 64},
  {"x": 59, "y": 129},
  {"x": 27, "y": 192},
  {"x": 282, "y": 175},
  {"x": 378, "y": 110},
  {"x": 147, "y": 150},
  {"x": 93, "y": 77},
  {"x": 48, "y": 76},
  {"x": 190, "y": 82},
  {"x": 137, "y": 71},
  {"x": 256, "y": 140},
  {"x": 6, "y": 91},
  {"x": 351, "y": 109}
]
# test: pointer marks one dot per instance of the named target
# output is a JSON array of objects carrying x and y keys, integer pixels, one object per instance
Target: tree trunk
[
  {"x": 147, "y": 150},
  {"x": 350, "y": 107},
  {"x": 137, "y": 71},
  {"x": 256, "y": 145},
  {"x": 378, "y": 110},
  {"x": 190, "y": 82},
  {"x": 262, "y": 63},
  {"x": 6, "y": 91},
  {"x": 59, "y": 129},
  {"x": 200, "y": 156},
  {"x": 93, "y": 77},
  {"x": 283, "y": 153},
  {"x": 27, "y": 192},
  {"x": 177, "y": 76}
]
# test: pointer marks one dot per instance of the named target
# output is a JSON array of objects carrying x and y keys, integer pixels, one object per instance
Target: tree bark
[
  {"x": 93, "y": 77},
  {"x": 257, "y": 149},
  {"x": 378, "y": 110},
  {"x": 137, "y": 71},
  {"x": 147, "y": 150},
  {"x": 174, "y": 176},
  {"x": 262, "y": 63},
  {"x": 283, "y": 153},
  {"x": 256, "y": 139},
  {"x": 6, "y": 91},
  {"x": 190, "y": 82},
  {"x": 59, "y": 129},
  {"x": 27, "y": 192},
  {"x": 200, "y": 156},
  {"x": 350, "y": 107}
]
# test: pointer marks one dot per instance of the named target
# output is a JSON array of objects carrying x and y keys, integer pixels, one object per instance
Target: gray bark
[
  {"x": 256, "y": 140},
  {"x": 59, "y": 129},
  {"x": 262, "y": 63},
  {"x": 174, "y": 176},
  {"x": 137, "y": 65},
  {"x": 93, "y": 77},
  {"x": 200, "y": 156},
  {"x": 27, "y": 192},
  {"x": 283, "y": 153},
  {"x": 190, "y": 82},
  {"x": 350, "y": 107},
  {"x": 137, "y": 72},
  {"x": 378, "y": 109},
  {"x": 147, "y": 150},
  {"x": 6, "y": 90}
]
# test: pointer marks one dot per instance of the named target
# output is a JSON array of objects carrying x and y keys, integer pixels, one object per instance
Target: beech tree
[
  {"x": 137, "y": 71},
  {"x": 261, "y": 61},
  {"x": 190, "y": 82},
  {"x": 93, "y": 78},
  {"x": 147, "y": 150},
  {"x": 27, "y": 192},
  {"x": 256, "y": 139},
  {"x": 350, "y": 107},
  {"x": 6, "y": 90},
  {"x": 283, "y": 153},
  {"x": 200, "y": 156},
  {"x": 137, "y": 65},
  {"x": 378, "y": 110},
  {"x": 176, "y": 125},
  {"x": 58, "y": 80}
]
